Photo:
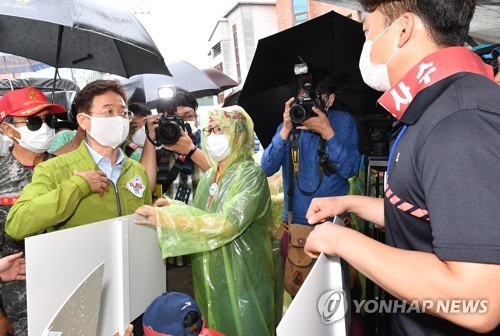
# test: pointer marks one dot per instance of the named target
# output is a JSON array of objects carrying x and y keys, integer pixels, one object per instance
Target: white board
[
  {"x": 57, "y": 262},
  {"x": 320, "y": 306},
  {"x": 79, "y": 314}
]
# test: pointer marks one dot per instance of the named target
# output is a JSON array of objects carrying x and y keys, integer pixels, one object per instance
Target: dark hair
[
  {"x": 190, "y": 319},
  {"x": 66, "y": 124},
  {"x": 182, "y": 98},
  {"x": 326, "y": 82},
  {"x": 84, "y": 99},
  {"x": 446, "y": 20},
  {"x": 185, "y": 98},
  {"x": 139, "y": 109},
  {"x": 8, "y": 119}
]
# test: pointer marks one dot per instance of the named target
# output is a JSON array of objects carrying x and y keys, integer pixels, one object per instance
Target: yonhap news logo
[{"x": 332, "y": 306}]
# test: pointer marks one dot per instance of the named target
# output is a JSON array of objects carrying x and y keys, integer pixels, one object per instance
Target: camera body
[
  {"x": 169, "y": 129},
  {"x": 301, "y": 108}
]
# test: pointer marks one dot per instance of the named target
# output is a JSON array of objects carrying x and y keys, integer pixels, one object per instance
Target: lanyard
[
  {"x": 393, "y": 148},
  {"x": 213, "y": 189}
]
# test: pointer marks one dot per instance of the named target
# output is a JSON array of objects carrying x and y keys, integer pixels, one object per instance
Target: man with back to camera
[
  {"x": 440, "y": 209},
  {"x": 30, "y": 122},
  {"x": 337, "y": 131},
  {"x": 92, "y": 183}
]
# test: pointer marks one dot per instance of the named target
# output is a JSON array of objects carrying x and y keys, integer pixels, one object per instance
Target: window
[
  {"x": 236, "y": 53},
  {"x": 216, "y": 50},
  {"x": 300, "y": 9}
]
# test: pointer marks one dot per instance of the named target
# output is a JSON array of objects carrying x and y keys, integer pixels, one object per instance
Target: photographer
[
  {"x": 336, "y": 131},
  {"x": 181, "y": 108}
]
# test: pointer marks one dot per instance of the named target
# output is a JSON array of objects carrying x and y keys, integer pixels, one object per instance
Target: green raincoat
[{"x": 228, "y": 235}]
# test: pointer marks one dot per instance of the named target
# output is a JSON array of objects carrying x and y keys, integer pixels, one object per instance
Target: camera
[
  {"x": 169, "y": 128},
  {"x": 378, "y": 129},
  {"x": 301, "y": 108}
]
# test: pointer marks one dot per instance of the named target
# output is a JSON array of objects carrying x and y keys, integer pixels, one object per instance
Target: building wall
[
  {"x": 316, "y": 8},
  {"x": 253, "y": 21}
]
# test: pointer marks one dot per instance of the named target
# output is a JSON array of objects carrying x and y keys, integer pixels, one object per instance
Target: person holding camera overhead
[{"x": 325, "y": 141}]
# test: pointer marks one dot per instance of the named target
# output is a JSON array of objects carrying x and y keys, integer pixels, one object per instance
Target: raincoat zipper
[{"x": 115, "y": 187}]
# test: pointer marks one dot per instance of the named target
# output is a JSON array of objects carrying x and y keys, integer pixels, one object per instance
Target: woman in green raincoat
[{"x": 227, "y": 230}]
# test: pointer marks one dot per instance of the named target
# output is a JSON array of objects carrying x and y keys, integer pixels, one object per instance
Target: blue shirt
[
  {"x": 112, "y": 172},
  {"x": 343, "y": 153}
]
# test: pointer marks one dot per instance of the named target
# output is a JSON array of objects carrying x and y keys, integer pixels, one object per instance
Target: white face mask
[
  {"x": 194, "y": 129},
  {"x": 109, "y": 132},
  {"x": 217, "y": 146},
  {"x": 375, "y": 76},
  {"x": 139, "y": 137},
  {"x": 36, "y": 141}
]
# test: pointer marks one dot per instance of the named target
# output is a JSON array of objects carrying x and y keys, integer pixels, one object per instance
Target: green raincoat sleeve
[
  {"x": 242, "y": 197},
  {"x": 44, "y": 204}
]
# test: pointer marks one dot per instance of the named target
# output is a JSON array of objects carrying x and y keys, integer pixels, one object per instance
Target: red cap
[{"x": 26, "y": 102}]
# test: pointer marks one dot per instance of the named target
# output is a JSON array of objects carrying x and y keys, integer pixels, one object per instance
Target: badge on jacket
[{"x": 136, "y": 186}]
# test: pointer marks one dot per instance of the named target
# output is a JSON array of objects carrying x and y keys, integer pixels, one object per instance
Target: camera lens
[
  {"x": 168, "y": 133},
  {"x": 297, "y": 114}
]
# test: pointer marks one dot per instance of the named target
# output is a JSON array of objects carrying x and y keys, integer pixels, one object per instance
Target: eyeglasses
[
  {"x": 126, "y": 114},
  {"x": 35, "y": 122},
  {"x": 208, "y": 130}
]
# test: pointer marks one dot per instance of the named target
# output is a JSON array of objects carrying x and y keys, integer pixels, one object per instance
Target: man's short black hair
[
  {"x": 185, "y": 98},
  {"x": 139, "y": 109},
  {"x": 325, "y": 79},
  {"x": 182, "y": 98},
  {"x": 447, "y": 21}
]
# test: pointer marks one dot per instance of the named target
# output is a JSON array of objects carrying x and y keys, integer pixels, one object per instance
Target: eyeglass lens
[
  {"x": 34, "y": 122},
  {"x": 208, "y": 130}
]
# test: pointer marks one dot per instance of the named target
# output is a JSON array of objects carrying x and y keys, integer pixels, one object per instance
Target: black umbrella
[
  {"x": 144, "y": 88},
  {"x": 330, "y": 40},
  {"x": 85, "y": 34},
  {"x": 222, "y": 80}
]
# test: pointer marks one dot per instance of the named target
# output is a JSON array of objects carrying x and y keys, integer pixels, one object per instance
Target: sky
[{"x": 180, "y": 28}]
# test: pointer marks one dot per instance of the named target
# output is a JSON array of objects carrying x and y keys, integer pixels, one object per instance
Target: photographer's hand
[
  {"x": 319, "y": 124},
  {"x": 148, "y": 157},
  {"x": 287, "y": 122},
  {"x": 183, "y": 146},
  {"x": 152, "y": 124}
]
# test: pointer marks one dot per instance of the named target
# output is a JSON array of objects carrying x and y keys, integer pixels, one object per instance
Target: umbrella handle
[{"x": 58, "y": 55}]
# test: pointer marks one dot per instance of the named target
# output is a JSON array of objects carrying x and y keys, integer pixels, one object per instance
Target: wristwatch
[{"x": 191, "y": 152}]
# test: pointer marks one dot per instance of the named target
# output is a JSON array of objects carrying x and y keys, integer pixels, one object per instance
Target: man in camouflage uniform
[{"x": 26, "y": 119}]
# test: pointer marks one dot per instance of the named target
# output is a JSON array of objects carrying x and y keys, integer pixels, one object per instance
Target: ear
[
  {"x": 331, "y": 100},
  {"x": 408, "y": 24},
  {"x": 7, "y": 130},
  {"x": 83, "y": 121}
]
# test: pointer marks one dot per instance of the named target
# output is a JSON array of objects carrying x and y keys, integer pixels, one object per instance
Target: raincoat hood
[{"x": 238, "y": 128}]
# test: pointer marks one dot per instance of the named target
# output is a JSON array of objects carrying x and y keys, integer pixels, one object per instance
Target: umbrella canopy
[
  {"x": 144, "y": 88},
  {"x": 232, "y": 98},
  {"x": 86, "y": 34},
  {"x": 330, "y": 40},
  {"x": 62, "y": 91},
  {"x": 12, "y": 64},
  {"x": 222, "y": 80}
]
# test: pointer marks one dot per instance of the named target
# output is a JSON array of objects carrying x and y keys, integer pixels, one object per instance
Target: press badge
[
  {"x": 136, "y": 186},
  {"x": 212, "y": 189}
]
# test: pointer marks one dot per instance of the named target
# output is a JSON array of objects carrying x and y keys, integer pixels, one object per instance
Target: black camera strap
[{"x": 295, "y": 163}]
